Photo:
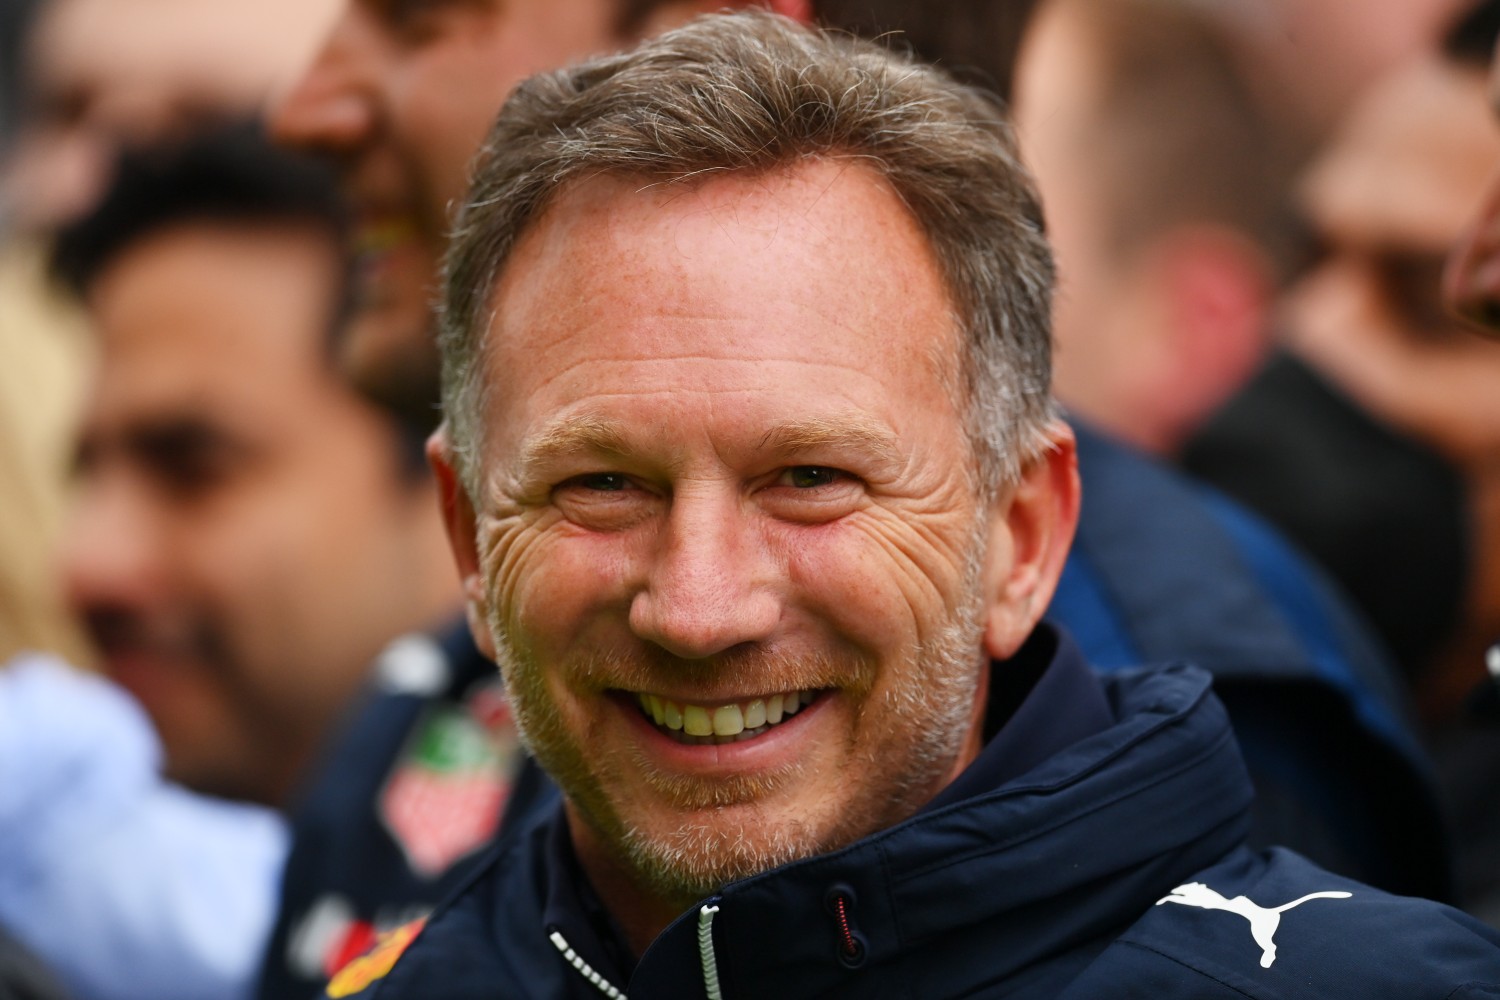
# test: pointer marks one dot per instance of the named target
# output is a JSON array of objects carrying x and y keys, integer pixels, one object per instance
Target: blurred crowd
[{"x": 244, "y": 728}]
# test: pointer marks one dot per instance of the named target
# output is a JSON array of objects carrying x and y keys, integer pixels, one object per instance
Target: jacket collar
[
  {"x": 1090, "y": 797},
  {"x": 1032, "y": 869}
]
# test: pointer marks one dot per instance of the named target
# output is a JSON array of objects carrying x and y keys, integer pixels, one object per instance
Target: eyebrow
[
  {"x": 590, "y": 434},
  {"x": 570, "y": 436},
  {"x": 843, "y": 433}
]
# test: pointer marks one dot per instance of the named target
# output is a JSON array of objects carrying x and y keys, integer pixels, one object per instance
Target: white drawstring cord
[
  {"x": 706, "y": 952},
  {"x": 584, "y": 969}
]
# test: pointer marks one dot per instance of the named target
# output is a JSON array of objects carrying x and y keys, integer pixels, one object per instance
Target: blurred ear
[
  {"x": 1031, "y": 530},
  {"x": 458, "y": 519},
  {"x": 1218, "y": 299},
  {"x": 667, "y": 16}
]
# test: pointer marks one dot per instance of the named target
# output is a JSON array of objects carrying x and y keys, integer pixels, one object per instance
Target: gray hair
[{"x": 752, "y": 91}]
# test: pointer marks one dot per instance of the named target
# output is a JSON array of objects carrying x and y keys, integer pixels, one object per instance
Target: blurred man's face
[
  {"x": 103, "y": 72},
  {"x": 243, "y": 545},
  {"x": 1389, "y": 199},
  {"x": 729, "y": 546},
  {"x": 401, "y": 96}
]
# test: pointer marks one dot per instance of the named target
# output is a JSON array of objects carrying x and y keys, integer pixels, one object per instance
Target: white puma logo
[{"x": 1263, "y": 921}]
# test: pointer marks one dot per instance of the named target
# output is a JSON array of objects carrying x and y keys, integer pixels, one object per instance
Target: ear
[
  {"x": 1031, "y": 530},
  {"x": 669, "y": 15},
  {"x": 1218, "y": 287},
  {"x": 458, "y": 519}
]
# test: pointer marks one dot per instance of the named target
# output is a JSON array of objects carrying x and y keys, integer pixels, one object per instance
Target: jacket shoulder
[{"x": 1274, "y": 926}]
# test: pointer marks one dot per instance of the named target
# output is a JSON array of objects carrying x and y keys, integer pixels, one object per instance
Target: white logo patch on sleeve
[{"x": 1263, "y": 921}]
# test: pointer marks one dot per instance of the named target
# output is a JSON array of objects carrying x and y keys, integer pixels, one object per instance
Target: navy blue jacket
[
  {"x": 1111, "y": 867},
  {"x": 1161, "y": 570},
  {"x": 1164, "y": 569},
  {"x": 364, "y": 859}
]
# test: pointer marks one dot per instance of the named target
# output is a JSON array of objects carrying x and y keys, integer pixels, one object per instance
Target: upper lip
[{"x": 709, "y": 701}]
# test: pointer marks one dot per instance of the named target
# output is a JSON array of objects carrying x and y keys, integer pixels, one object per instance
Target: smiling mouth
[{"x": 732, "y": 723}]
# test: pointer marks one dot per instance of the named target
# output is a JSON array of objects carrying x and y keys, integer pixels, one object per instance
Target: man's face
[
  {"x": 1389, "y": 199},
  {"x": 729, "y": 547},
  {"x": 401, "y": 96},
  {"x": 242, "y": 541}
]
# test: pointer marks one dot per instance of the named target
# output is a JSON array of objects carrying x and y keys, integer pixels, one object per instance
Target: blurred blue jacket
[{"x": 126, "y": 886}]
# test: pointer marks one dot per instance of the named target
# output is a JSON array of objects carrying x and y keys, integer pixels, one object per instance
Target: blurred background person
[
  {"x": 1162, "y": 568},
  {"x": 249, "y": 533},
  {"x": 98, "y": 73},
  {"x": 1374, "y": 438},
  {"x": 1164, "y": 193},
  {"x": 128, "y": 886},
  {"x": 80, "y": 77},
  {"x": 1312, "y": 59}
]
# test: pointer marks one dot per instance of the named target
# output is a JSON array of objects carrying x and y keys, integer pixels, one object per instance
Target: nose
[
  {"x": 111, "y": 557},
  {"x": 711, "y": 584},
  {"x": 332, "y": 107}
]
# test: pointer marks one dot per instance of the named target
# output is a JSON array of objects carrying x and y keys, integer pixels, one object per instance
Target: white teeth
[
  {"x": 695, "y": 721},
  {"x": 697, "y": 724},
  {"x": 728, "y": 721}
]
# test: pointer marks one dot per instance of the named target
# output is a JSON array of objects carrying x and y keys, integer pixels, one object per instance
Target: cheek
[
  {"x": 556, "y": 588},
  {"x": 883, "y": 583}
]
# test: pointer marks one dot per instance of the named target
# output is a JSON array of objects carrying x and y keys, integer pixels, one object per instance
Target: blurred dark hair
[
  {"x": 229, "y": 173},
  {"x": 1471, "y": 37}
]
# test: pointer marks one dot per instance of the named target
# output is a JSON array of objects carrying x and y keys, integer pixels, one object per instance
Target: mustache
[
  {"x": 747, "y": 670},
  {"x": 120, "y": 631}
]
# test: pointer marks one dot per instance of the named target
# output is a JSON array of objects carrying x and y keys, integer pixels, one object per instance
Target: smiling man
[
  {"x": 758, "y": 495},
  {"x": 728, "y": 539}
]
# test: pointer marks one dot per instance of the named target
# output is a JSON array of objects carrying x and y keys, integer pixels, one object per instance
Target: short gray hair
[{"x": 752, "y": 91}]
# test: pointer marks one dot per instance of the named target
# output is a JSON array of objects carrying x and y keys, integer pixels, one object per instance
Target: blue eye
[{"x": 806, "y": 477}]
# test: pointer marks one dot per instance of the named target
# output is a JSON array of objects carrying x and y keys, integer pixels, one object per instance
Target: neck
[{"x": 641, "y": 913}]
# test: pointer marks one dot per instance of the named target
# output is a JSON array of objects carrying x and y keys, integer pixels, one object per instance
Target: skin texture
[
  {"x": 400, "y": 97},
  {"x": 244, "y": 543},
  {"x": 722, "y": 462}
]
